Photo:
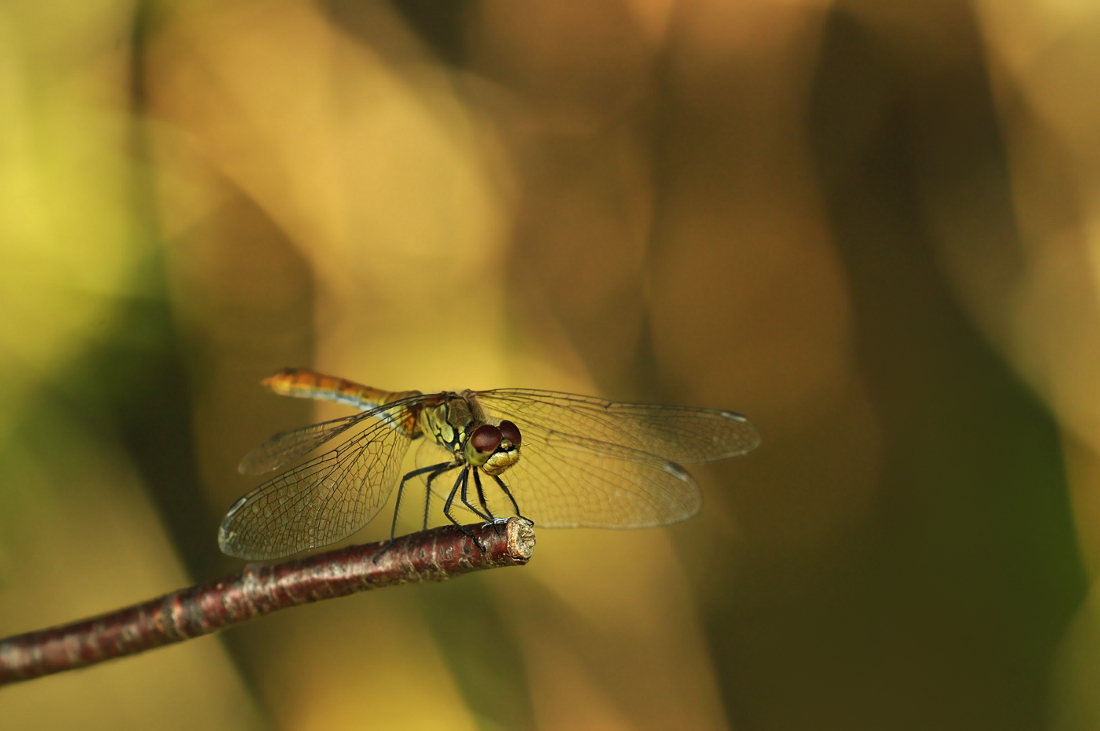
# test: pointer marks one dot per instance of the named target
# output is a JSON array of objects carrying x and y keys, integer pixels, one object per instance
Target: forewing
[
  {"x": 290, "y": 446},
  {"x": 320, "y": 502},
  {"x": 678, "y": 433},
  {"x": 560, "y": 483}
]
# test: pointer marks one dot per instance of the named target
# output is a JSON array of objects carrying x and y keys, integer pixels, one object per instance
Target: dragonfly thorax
[{"x": 460, "y": 425}]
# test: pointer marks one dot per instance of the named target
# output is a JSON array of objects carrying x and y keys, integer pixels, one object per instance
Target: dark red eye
[
  {"x": 486, "y": 438},
  {"x": 510, "y": 432}
]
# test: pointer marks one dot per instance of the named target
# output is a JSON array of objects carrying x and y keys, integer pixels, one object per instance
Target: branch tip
[{"x": 257, "y": 590}]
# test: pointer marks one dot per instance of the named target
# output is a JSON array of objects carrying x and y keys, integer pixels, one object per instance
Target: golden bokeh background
[{"x": 873, "y": 227}]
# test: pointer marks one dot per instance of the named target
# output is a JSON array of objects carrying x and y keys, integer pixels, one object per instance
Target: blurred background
[{"x": 873, "y": 227}]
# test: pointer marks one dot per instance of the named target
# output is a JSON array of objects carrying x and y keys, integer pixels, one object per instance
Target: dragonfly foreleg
[
  {"x": 460, "y": 483},
  {"x": 508, "y": 492},
  {"x": 481, "y": 496},
  {"x": 466, "y": 499}
]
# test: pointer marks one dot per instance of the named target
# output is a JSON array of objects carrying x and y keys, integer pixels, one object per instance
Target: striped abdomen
[{"x": 309, "y": 384}]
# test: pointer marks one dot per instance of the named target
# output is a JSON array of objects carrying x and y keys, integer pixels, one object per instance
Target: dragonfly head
[{"x": 493, "y": 448}]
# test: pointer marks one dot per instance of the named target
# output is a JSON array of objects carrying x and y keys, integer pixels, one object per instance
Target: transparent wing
[
  {"x": 289, "y": 446},
  {"x": 324, "y": 500},
  {"x": 561, "y": 483},
  {"x": 677, "y": 433}
]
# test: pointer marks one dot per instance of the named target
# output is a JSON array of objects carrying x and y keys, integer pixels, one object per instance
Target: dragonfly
[{"x": 568, "y": 461}]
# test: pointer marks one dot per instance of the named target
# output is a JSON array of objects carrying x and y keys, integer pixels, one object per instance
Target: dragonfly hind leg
[
  {"x": 443, "y": 469},
  {"x": 439, "y": 469}
]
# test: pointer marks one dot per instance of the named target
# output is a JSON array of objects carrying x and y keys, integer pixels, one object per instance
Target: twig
[{"x": 432, "y": 555}]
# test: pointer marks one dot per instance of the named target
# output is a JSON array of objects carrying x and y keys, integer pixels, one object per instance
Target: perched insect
[{"x": 564, "y": 460}]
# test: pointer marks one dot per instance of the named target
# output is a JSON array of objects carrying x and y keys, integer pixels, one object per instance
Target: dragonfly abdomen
[{"x": 310, "y": 384}]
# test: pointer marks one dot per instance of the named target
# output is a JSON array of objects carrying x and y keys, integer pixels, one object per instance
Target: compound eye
[
  {"x": 510, "y": 432},
  {"x": 486, "y": 438}
]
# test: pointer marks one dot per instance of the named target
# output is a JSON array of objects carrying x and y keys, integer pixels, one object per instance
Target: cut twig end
[{"x": 521, "y": 539}]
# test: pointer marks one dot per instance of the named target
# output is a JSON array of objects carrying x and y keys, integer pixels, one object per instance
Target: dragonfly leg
[
  {"x": 401, "y": 491},
  {"x": 466, "y": 500},
  {"x": 443, "y": 469},
  {"x": 397, "y": 507},
  {"x": 481, "y": 496},
  {"x": 508, "y": 492},
  {"x": 460, "y": 483}
]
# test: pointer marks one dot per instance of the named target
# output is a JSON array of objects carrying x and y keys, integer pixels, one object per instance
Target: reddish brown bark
[{"x": 432, "y": 555}]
